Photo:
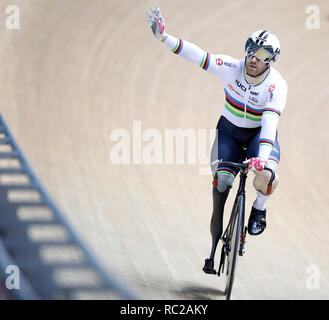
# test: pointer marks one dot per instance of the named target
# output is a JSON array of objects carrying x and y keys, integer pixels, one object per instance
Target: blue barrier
[{"x": 52, "y": 260}]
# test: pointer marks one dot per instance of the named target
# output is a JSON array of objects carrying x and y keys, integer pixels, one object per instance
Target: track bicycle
[{"x": 234, "y": 236}]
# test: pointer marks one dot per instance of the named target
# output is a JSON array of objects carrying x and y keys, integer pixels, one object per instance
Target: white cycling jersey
[{"x": 246, "y": 105}]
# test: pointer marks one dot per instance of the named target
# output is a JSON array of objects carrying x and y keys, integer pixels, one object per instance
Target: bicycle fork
[
  {"x": 226, "y": 238},
  {"x": 226, "y": 246},
  {"x": 242, "y": 194},
  {"x": 243, "y": 228},
  {"x": 243, "y": 241}
]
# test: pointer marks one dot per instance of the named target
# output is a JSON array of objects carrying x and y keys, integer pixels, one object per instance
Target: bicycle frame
[{"x": 234, "y": 237}]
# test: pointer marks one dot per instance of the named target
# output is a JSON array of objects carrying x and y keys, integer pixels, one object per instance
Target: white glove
[{"x": 157, "y": 23}]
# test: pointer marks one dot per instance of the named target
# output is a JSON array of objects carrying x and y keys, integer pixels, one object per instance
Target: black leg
[{"x": 216, "y": 226}]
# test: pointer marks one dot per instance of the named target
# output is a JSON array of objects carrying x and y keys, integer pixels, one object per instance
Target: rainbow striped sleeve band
[
  {"x": 272, "y": 110},
  {"x": 227, "y": 171},
  {"x": 178, "y": 47},
  {"x": 205, "y": 61},
  {"x": 266, "y": 142},
  {"x": 273, "y": 159}
]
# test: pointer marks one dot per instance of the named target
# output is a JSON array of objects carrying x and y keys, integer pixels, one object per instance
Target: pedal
[{"x": 209, "y": 267}]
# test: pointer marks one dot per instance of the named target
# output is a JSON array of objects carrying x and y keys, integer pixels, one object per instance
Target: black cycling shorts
[{"x": 229, "y": 143}]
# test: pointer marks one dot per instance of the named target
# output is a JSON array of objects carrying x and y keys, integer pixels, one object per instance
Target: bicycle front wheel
[{"x": 235, "y": 234}]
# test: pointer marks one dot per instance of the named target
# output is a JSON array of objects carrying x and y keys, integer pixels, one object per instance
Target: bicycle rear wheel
[{"x": 234, "y": 236}]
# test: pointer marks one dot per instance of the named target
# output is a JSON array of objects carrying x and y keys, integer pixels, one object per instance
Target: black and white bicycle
[{"x": 234, "y": 236}]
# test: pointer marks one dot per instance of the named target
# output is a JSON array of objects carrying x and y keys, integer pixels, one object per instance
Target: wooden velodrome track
[{"x": 79, "y": 69}]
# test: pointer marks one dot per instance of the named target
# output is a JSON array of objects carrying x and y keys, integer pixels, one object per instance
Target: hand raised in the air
[{"x": 157, "y": 23}]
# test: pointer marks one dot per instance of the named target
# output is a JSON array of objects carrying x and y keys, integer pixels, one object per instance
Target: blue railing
[{"x": 52, "y": 261}]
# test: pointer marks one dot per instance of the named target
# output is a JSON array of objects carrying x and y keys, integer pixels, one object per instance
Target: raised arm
[{"x": 183, "y": 48}]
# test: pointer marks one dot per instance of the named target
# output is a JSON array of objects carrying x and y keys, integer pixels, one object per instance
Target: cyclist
[{"x": 255, "y": 96}]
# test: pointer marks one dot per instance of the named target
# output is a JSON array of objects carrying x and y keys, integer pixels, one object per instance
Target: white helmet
[{"x": 265, "y": 40}]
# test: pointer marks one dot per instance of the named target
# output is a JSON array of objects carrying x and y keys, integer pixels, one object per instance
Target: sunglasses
[{"x": 262, "y": 54}]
